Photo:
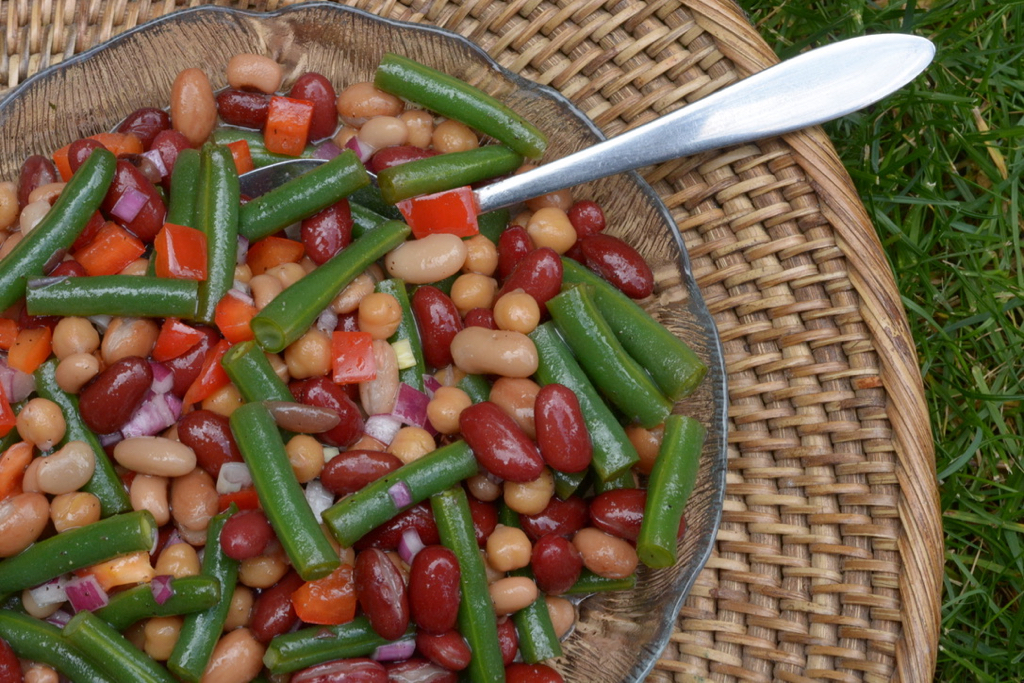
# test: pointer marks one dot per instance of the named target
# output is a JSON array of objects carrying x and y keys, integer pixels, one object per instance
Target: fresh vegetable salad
[{"x": 346, "y": 430}]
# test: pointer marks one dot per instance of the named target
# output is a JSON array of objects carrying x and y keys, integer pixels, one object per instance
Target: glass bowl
[{"x": 619, "y": 635}]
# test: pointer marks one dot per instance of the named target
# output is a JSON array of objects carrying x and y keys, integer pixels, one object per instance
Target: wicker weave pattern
[{"x": 829, "y": 556}]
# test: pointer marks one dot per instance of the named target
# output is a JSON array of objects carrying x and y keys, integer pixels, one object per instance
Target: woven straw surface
[{"x": 828, "y": 561}]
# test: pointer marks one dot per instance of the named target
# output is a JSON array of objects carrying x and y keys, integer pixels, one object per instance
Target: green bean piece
[
  {"x": 669, "y": 487},
  {"x": 76, "y": 548},
  {"x": 111, "y": 652},
  {"x": 57, "y": 231},
  {"x": 476, "y": 387},
  {"x": 446, "y": 172},
  {"x": 568, "y": 483},
  {"x": 625, "y": 480},
  {"x": 249, "y": 370},
  {"x": 407, "y": 329},
  {"x": 602, "y": 357},
  {"x": 217, "y": 217},
  {"x": 280, "y": 493},
  {"x": 613, "y": 451},
  {"x": 39, "y": 641},
  {"x": 188, "y": 594},
  {"x": 291, "y": 312},
  {"x": 309, "y": 646},
  {"x": 302, "y": 197},
  {"x": 134, "y": 296},
  {"x": 589, "y": 582},
  {"x": 369, "y": 197},
  {"x": 357, "y": 514},
  {"x": 477, "y": 621},
  {"x": 493, "y": 223},
  {"x": 673, "y": 365},
  {"x": 200, "y": 630},
  {"x": 181, "y": 207},
  {"x": 257, "y": 149},
  {"x": 456, "y": 99},
  {"x": 12, "y": 436},
  {"x": 364, "y": 220}
]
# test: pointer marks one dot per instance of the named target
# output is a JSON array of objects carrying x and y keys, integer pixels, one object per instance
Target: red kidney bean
[
  {"x": 556, "y": 564},
  {"x": 343, "y": 671},
  {"x": 273, "y": 612},
  {"x": 246, "y": 534},
  {"x": 169, "y": 143},
  {"x": 448, "y": 649},
  {"x": 619, "y": 263},
  {"x": 419, "y": 671},
  {"x": 513, "y": 246},
  {"x": 500, "y": 445},
  {"x": 32, "y": 322},
  {"x": 147, "y": 223},
  {"x": 66, "y": 268},
  {"x": 209, "y": 435},
  {"x": 388, "y": 534},
  {"x": 96, "y": 222},
  {"x": 398, "y": 155},
  {"x": 434, "y": 589},
  {"x": 352, "y": 470},
  {"x": 10, "y": 667},
  {"x": 316, "y": 89},
  {"x": 348, "y": 322},
  {"x": 576, "y": 253},
  {"x": 439, "y": 322},
  {"x": 322, "y": 392},
  {"x": 485, "y": 519},
  {"x": 381, "y": 592},
  {"x": 145, "y": 123},
  {"x": 145, "y": 166},
  {"x": 539, "y": 274},
  {"x": 80, "y": 150},
  {"x": 110, "y": 398},
  {"x": 243, "y": 108},
  {"x": 520, "y": 672},
  {"x": 561, "y": 517},
  {"x": 508, "y": 640},
  {"x": 327, "y": 232},
  {"x": 186, "y": 367},
  {"x": 480, "y": 317},
  {"x": 35, "y": 172},
  {"x": 586, "y": 217},
  {"x": 561, "y": 432}
]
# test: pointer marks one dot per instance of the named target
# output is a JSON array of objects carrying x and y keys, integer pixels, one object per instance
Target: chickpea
[
  {"x": 288, "y": 273},
  {"x": 379, "y": 315},
  {"x": 74, "y": 510},
  {"x": 129, "y": 337},
  {"x": 264, "y": 288},
  {"x": 481, "y": 256},
  {"x": 41, "y": 422},
  {"x": 240, "y": 609},
  {"x": 74, "y": 335},
  {"x": 454, "y": 136},
  {"x": 40, "y": 673},
  {"x": 530, "y": 497},
  {"x": 411, "y": 443},
  {"x": 472, "y": 290},
  {"x": 75, "y": 371},
  {"x": 517, "y": 311},
  {"x": 178, "y": 560},
  {"x": 34, "y": 609},
  {"x": 243, "y": 273},
  {"x": 445, "y": 407},
  {"x": 420, "y": 125},
  {"x": 137, "y": 267},
  {"x": 482, "y": 487},
  {"x": 508, "y": 548},
  {"x": 344, "y": 134},
  {"x": 8, "y": 204},
  {"x": 309, "y": 355},
  {"x": 306, "y": 456},
  {"x": 254, "y": 72},
  {"x": 262, "y": 571},
  {"x": 647, "y": 443},
  {"x": 161, "y": 636},
  {"x": 237, "y": 658},
  {"x": 384, "y": 131},
  {"x": 517, "y": 396},
  {"x": 224, "y": 400},
  {"x": 512, "y": 594},
  {"x": 360, "y": 102},
  {"x": 279, "y": 366},
  {"x": 550, "y": 227},
  {"x": 562, "y": 613}
]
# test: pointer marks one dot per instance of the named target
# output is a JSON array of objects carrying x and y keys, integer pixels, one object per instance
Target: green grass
[{"x": 939, "y": 167}]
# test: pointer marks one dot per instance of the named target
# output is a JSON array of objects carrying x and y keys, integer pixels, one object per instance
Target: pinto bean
[
  {"x": 604, "y": 554},
  {"x": 155, "y": 455},
  {"x": 237, "y": 657},
  {"x": 193, "y": 500},
  {"x": 193, "y": 107},
  {"x": 109, "y": 400}
]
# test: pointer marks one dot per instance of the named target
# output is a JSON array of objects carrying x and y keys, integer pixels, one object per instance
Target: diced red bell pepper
[
  {"x": 352, "y": 358},
  {"x": 180, "y": 252},
  {"x": 31, "y": 348},
  {"x": 7, "y": 416},
  {"x": 111, "y": 251},
  {"x": 287, "y": 128},
  {"x": 451, "y": 211},
  {"x": 8, "y": 333},
  {"x": 241, "y": 154},
  {"x": 328, "y": 601},
  {"x": 246, "y": 499},
  {"x": 273, "y": 251},
  {"x": 232, "y": 316},
  {"x": 211, "y": 377},
  {"x": 175, "y": 338}
]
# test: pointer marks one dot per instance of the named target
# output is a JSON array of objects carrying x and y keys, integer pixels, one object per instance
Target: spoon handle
[{"x": 814, "y": 87}]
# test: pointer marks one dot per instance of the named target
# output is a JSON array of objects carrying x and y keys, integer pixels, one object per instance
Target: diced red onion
[
  {"x": 382, "y": 427},
  {"x": 243, "y": 289},
  {"x": 411, "y": 406},
  {"x": 409, "y": 544},
  {"x": 319, "y": 498},
  {"x": 42, "y": 282},
  {"x": 101, "y": 321},
  {"x": 129, "y": 204},
  {"x": 59, "y": 618},
  {"x": 173, "y": 538},
  {"x": 327, "y": 321},
  {"x": 294, "y": 231},
  {"x": 400, "y": 494},
  {"x": 55, "y": 260},
  {"x": 233, "y": 477},
  {"x": 110, "y": 439},
  {"x": 153, "y": 416},
  {"x": 431, "y": 384},
  {"x": 161, "y": 587},
  {"x": 157, "y": 160},
  {"x": 243, "y": 249},
  {"x": 163, "y": 379},
  {"x": 363, "y": 150},
  {"x": 17, "y": 385},
  {"x": 50, "y": 593},
  {"x": 327, "y": 150},
  {"x": 85, "y": 593},
  {"x": 394, "y": 652}
]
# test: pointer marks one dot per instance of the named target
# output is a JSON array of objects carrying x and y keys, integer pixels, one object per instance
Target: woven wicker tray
[{"x": 828, "y": 561}]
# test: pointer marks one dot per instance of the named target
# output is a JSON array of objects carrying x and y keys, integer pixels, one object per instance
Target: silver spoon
[{"x": 814, "y": 87}]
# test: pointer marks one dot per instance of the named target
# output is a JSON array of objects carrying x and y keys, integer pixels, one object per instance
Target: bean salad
[{"x": 346, "y": 430}]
